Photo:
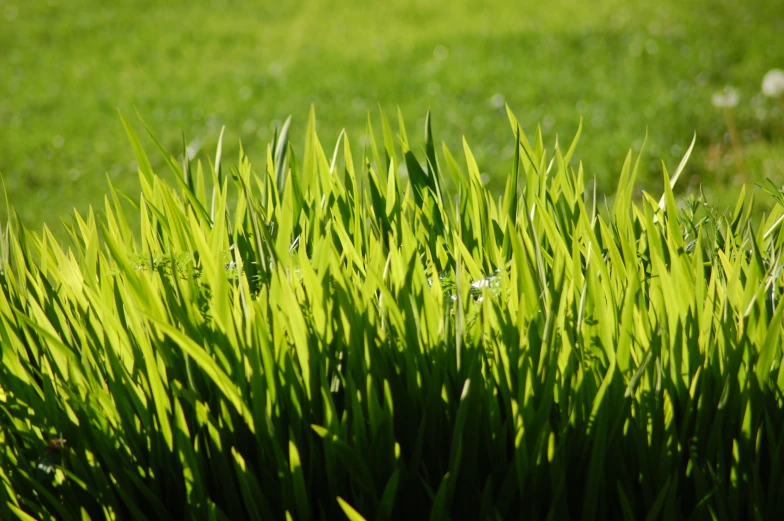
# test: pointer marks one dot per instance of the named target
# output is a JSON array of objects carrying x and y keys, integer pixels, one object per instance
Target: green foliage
[
  {"x": 192, "y": 67},
  {"x": 326, "y": 338}
]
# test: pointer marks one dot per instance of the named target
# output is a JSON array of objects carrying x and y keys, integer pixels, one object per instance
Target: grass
[
  {"x": 192, "y": 67},
  {"x": 321, "y": 338}
]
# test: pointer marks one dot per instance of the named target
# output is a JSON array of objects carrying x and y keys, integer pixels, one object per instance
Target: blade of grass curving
[
  {"x": 389, "y": 141},
  {"x": 217, "y": 179},
  {"x": 141, "y": 156},
  {"x": 338, "y": 143},
  {"x": 511, "y": 198},
  {"x": 432, "y": 161},
  {"x": 281, "y": 150},
  {"x": 568, "y": 156},
  {"x": 403, "y": 135},
  {"x": 173, "y": 166},
  {"x": 376, "y": 159},
  {"x": 679, "y": 170}
]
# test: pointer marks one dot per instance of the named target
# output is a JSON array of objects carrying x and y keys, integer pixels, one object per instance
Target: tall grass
[{"x": 325, "y": 338}]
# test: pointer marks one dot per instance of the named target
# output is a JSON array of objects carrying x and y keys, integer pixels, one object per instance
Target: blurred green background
[{"x": 187, "y": 66}]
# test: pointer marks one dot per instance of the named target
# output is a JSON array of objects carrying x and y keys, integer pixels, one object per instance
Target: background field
[{"x": 624, "y": 66}]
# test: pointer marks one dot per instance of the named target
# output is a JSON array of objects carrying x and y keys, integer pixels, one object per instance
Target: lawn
[{"x": 623, "y": 66}]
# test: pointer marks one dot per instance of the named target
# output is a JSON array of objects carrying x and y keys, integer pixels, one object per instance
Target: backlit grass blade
[{"x": 281, "y": 150}]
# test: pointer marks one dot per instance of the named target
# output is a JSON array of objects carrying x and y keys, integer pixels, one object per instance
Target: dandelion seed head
[
  {"x": 726, "y": 98},
  {"x": 773, "y": 83}
]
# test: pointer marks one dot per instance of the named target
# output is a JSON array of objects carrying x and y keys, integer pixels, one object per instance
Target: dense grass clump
[{"x": 382, "y": 339}]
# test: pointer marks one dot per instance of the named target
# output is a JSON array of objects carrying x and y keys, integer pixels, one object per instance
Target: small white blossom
[
  {"x": 480, "y": 284},
  {"x": 726, "y": 98},
  {"x": 773, "y": 83}
]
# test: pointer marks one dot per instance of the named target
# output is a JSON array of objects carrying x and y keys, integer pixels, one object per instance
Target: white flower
[
  {"x": 773, "y": 83},
  {"x": 727, "y": 98},
  {"x": 480, "y": 284}
]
